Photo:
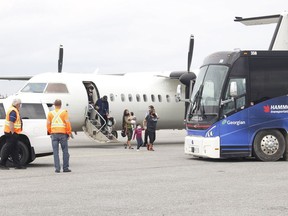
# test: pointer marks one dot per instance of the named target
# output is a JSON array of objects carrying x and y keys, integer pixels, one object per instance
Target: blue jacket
[{"x": 103, "y": 106}]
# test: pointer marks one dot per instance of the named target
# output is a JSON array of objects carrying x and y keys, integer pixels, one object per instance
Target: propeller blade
[
  {"x": 60, "y": 60},
  {"x": 190, "y": 52}
]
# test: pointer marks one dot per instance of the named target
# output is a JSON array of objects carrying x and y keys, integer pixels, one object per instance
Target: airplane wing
[
  {"x": 258, "y": 20},
  {"x": 15, "y": 77}
]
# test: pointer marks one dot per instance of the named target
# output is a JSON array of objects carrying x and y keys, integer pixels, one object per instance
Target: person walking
[
  {"x": 102, "y": 107},
  {"x": 151, "y": 123},
  {"x": 127, "y": 127},
  {"x": 59, "y": 127},
  {"x": 138, "y": 134},
  {"x": 146, "y": 132},
  {"x": 12, "y": 129}
]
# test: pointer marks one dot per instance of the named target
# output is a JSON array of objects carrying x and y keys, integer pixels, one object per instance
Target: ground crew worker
[
  {"x": 12, "y": 129},
  {"x": 59, "y": 127}
]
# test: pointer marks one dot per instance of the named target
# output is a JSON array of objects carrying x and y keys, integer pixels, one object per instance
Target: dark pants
[
  {"x": 145, "y": 137},
  {"x": 152, "y": 136},
  {"x": 11, "y": 148}
]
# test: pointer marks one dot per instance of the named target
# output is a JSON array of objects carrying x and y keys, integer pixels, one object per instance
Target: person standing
[
  {"x": 151, "y": 123},
  {"x": 102, "y": 106},
  {"x": 127, "y": 127},
  {"x": 59, "y": 127},
  {"x": 12, "y": 129}
]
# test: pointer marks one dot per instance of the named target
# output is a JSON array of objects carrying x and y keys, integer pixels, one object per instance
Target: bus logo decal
[{"x": 276, "y": 108}]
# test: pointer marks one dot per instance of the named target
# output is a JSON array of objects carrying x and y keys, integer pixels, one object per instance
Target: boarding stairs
[{"x": 95, "y": 131}]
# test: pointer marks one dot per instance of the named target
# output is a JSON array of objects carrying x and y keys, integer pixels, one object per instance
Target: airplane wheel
[{"x": 269, "y": 145}]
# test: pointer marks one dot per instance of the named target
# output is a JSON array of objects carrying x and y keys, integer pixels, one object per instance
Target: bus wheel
[
  {"x": 269, "y": 145},
  {"x": 23, "y": 154}
]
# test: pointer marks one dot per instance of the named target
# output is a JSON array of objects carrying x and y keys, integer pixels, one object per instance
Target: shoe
[
  {"x": 67, "y": 170},
  {"x": 138, "y": 149},
  {"x": 125, "y": 146},
  {"x": 20, "y": 167},
  {"x": 57, "y": 171},
  {"x": 3, "y": 167},
  {"x": 131, "y": 147}
]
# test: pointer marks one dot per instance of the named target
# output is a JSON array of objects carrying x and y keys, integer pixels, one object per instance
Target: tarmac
[{"x": 107, "y": 179}]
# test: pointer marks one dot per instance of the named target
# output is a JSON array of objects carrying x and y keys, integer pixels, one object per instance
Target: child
[
  {"x": 138, "y": 135},
  {"x": 133, "y": 120}
]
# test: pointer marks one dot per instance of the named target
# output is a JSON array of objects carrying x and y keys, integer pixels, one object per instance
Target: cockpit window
[
  {"x": 56, "y": 88},
  {"x": 2, "y": 111},
  {"x": 34, "y": 87},
  {"x": 32, "y": 111}
]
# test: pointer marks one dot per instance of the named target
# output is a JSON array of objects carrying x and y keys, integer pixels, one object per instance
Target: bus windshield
[{"x": 204, "y": 108}]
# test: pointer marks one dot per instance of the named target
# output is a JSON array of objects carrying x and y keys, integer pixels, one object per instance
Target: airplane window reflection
[
  {"x": 168, "y": 98},
  {"x": 145, "y": 97},
  {"x": 159, "y": 98},
  {"x": 138, "y": 97},
  {"x": 122, "y": 97},
  {"x": 32, "y": 111},
  {"x": 130, "y": 98},
  {"x": 34, "y": 87},
  {"x": 153, "y": 98},
  {"x": 56, "y": 88}
]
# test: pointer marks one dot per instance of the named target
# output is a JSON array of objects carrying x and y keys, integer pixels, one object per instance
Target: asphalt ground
[{"x": 107, "y": 179}]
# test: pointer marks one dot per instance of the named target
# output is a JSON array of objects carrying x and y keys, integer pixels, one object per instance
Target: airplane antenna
[
  {"x": 190, "y": 52},
  {"x": 60, "y": 60}
]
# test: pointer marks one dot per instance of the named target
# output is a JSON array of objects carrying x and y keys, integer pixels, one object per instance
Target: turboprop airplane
[{"x": 132, "y": 91}]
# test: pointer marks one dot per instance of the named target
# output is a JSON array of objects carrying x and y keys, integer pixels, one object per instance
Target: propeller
[
  {"x": 60, "y": 60},
  {"x": 190, "y": 52}
]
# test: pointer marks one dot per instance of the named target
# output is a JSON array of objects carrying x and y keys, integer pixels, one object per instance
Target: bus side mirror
[
  {"x": 233, "y": 89},
  {"x": 178, "y": 93}
]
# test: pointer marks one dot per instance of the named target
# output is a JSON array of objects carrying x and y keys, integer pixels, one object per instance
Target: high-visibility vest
[
  {"x": 17, "y": 123},
  {"x": 58, "y": 122}
]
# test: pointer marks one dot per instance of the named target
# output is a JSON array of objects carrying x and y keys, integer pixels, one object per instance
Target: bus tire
[
  {"x": 23, "y": 154},
  {"x": 269, "y": 145}
]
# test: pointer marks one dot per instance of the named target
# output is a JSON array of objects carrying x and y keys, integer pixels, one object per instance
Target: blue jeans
[{"x": 63, "y": 140}]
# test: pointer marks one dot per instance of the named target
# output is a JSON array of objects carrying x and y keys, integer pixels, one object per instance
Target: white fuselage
[{"x": 134, "y": 92}]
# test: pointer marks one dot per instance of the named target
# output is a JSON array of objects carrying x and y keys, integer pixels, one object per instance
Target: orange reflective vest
[
  {"x": 58, "y": 122},
  {"x": 17, "y": 123}
]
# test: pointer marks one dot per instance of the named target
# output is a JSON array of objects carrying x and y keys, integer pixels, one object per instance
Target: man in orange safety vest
[{"x": 59, "y": 127}]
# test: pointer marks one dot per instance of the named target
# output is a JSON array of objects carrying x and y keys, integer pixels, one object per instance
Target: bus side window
[{"x": 237, "y": 90}]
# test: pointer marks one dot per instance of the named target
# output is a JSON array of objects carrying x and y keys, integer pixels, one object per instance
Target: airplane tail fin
[{"x": 280, "y": 38}]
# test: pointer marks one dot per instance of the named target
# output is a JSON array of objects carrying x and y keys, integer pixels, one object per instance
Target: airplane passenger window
[
  {"x": 168, "y": 98},
  {"x": 2, "y": 112},
  {"x": 145, "y": 97},
  {"x": 159, "y": 98},
  {"x": 153, "y": 98},
  {"x": 32, "y": 111},
  {"x": 130, "y": 98},
  {"x": 122, "y": 97},
  {"x": 138, "y": 98},
  {"x": 56, "y": 88},
  {"x": 112, "y": 97},
  {"x": 34, "y": 87}
]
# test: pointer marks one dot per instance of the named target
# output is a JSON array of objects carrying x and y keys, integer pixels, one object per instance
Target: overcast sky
[{"x": 116, "y": 36}]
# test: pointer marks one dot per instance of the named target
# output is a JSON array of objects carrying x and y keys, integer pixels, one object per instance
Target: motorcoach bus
[{"x": 239, "y": 106}]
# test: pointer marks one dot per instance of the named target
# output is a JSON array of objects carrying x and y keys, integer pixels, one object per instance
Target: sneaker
[
  {"x": 67, "y": 170},
  {"x": 3, "y": 167},
  {"x": 57, "y": 171},
  {"x": 138, "y": 149},
  {"x": 20, "y": 167}
]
